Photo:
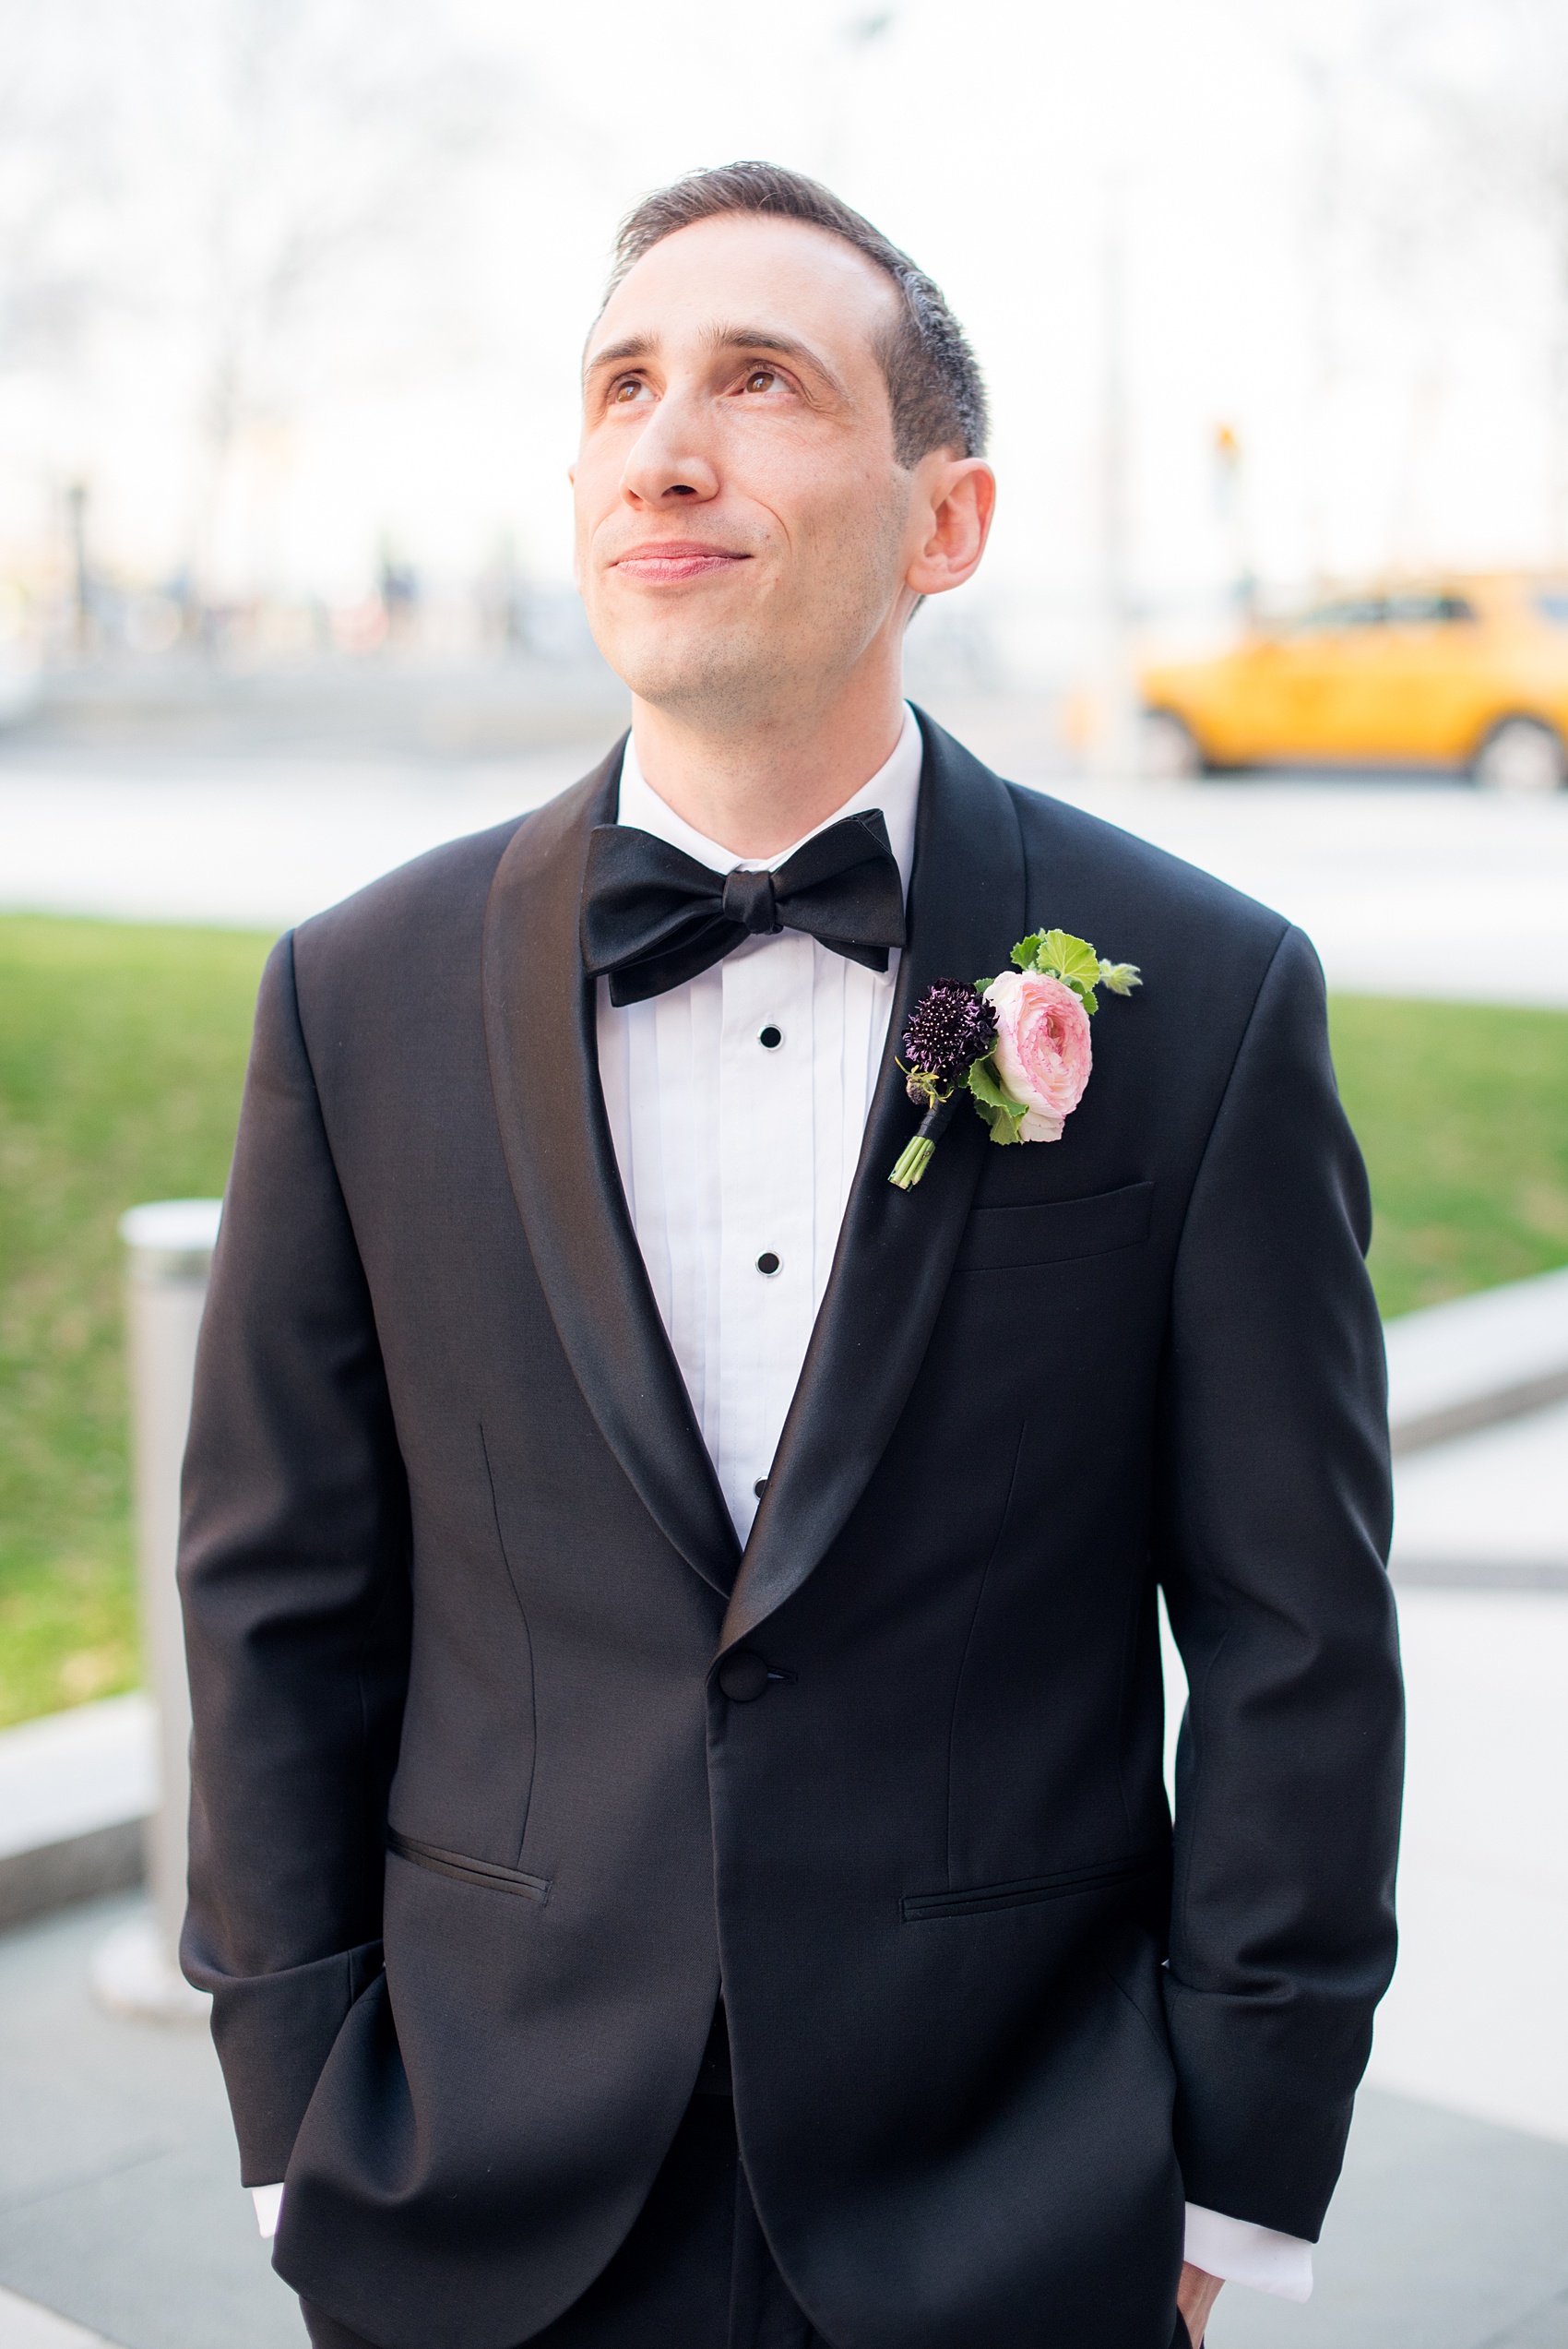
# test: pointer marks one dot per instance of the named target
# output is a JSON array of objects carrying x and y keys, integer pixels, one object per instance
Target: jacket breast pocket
[{"x": 999, "y": 1238}]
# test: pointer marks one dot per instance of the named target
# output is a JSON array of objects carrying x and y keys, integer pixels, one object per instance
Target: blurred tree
[
  {"x": 58, "y": 174},
  {"x": 269, "y": 192},
  {"x": 1489, "y": 88},
  {"x": 1522, "y": 134},
  {"x": 320, "y": 149}
]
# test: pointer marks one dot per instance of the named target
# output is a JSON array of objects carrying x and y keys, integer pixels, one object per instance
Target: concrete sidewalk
[
  {"x": 75, "y": 1789},
  {"x": 1446, "y": 2234},
  {"x": 120, "y": 2199},
  {"x": 1391, "y": 881},
  {"x": 1495, "y": 1355},
  {"x": 121, "y": 2209},
  {"x": 1487, "y": 1511}
]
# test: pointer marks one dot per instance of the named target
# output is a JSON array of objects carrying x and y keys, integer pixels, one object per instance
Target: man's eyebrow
[
  {"x": 615, "y": 354},
  {"x": 634, "y": 347},
  {"x": 769, "y": 338}
]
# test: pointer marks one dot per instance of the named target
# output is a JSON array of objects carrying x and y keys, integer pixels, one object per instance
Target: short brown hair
[{"x": 934, "y": 381}]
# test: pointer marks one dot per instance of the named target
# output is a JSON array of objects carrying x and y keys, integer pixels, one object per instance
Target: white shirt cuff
[
  {"x": 268, "y": 2200},
  {"x": 1242, "y": 2253}
]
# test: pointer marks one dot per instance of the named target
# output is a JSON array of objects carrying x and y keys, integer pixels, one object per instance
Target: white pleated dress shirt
[{"x": 737, "y": 1104}]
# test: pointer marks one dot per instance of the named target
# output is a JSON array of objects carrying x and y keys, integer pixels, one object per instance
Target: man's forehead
[{"x": 779, "y": 280}]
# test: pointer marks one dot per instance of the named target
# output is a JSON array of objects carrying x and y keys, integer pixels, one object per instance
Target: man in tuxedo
[{"x": 680, "y": 1850}]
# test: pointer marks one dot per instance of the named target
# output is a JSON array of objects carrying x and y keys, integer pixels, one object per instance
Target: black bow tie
[{"x": 653, "y": 917}]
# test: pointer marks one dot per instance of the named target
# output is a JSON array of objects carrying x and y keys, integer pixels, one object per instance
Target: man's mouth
[{"x": 666, "y": 560}]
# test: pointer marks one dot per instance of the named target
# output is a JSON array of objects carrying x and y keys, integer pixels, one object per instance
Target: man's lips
[{"x": 675, "y": 558}]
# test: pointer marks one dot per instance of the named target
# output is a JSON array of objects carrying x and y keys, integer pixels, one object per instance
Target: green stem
[
  {"x": 915, "y": 1157},
  {"x": 918, "y": 1153}
]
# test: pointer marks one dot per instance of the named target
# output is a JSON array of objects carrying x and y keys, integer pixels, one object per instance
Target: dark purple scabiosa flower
[{"x": 949, "y": 1030}]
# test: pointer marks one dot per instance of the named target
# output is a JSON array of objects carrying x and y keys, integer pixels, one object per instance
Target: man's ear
[{"x": 956, "y": 501}]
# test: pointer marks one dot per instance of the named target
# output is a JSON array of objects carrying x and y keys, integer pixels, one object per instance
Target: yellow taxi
[{"x": 1466, "y": 672}]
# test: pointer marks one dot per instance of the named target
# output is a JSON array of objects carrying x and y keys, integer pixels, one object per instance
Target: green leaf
[
  {"x": 1027, "y": 948},
  {"x": 1002, "y": 1122},
  {"x": 1119, "y": 977},
  {"x": 995, "y": 1104},
  {"x": 986, "y": 1085},
  {"x": 1089, "y": 999},
  {"x": 1061, "y": 955}
]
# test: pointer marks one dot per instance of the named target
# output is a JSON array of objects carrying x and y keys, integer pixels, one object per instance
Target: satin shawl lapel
[
  {"x": 895, "y": 1249},
  {"x": 540, "y": 1018}
]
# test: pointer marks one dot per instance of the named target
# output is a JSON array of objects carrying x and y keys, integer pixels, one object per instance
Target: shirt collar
[{"x": 895, "y": 788}]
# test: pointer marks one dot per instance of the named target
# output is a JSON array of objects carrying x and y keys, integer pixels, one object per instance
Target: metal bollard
[{"x": 169, "y": 1254}]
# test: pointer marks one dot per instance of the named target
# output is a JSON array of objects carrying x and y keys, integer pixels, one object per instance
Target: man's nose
[{"x": 669, "y": 466}]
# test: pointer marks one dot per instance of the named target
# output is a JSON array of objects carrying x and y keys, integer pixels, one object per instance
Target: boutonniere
[{"x": 1019, "y": 1046}]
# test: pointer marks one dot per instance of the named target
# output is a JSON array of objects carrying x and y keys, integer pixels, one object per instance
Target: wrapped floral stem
[
  {"x": 918, "y": 1152},
  {"x": 1019, "y": 1046}
]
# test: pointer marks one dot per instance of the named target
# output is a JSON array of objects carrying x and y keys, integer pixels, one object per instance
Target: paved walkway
[
  {"x": 120, "y": 2203},
  {"x": 120, "y": 2207},
  {"x": 1446, "y": 2234},
  {"x": 1406, "y": 888}
]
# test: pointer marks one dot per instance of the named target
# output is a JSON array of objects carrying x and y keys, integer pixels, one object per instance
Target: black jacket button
[{"x": 743, "y": 1677}]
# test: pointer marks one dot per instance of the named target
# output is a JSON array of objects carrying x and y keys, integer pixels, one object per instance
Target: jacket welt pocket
[
  {"x": 980, "y": 1899},
  {"x": 996, "y": 1238},
  {"x": 467, "y": 1871}
]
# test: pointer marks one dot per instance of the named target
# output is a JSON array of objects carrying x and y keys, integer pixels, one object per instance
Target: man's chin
[{"x": 703, "y": 671}]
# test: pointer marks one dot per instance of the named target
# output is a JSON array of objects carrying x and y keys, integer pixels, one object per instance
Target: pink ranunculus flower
[{"x": 1043, "y": 1049}]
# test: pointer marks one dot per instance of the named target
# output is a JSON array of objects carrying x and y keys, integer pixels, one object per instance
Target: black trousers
[
  {"x": 695, "y": 2270},
  {"x": 694, "y": 2273}
]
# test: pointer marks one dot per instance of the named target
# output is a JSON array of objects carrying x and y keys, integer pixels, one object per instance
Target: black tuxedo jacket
[{"x": 478, "y": 1831}]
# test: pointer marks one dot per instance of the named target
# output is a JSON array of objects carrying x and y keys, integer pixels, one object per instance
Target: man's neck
[{"x": 757, "y": 788}]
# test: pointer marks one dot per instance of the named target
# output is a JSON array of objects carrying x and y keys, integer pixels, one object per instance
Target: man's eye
[
  {"x": 761, "y": 379},
  {"x": 624, "y": 393}
]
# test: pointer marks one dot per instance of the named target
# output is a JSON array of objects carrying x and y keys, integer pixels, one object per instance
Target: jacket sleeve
[
  {"x": 293, "y": 1572},
  {"x": 1272, "y": 1538}
]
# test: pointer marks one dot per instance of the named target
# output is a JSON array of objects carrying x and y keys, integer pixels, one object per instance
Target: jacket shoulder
[
  {"x": 1205, "y": 950},
  {"x": 1067, "y": 847}
]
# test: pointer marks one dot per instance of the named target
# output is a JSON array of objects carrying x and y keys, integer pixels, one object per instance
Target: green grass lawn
[
  {"x": 121, "y": 1051},
  {"x": 1462, "y": 1111}
]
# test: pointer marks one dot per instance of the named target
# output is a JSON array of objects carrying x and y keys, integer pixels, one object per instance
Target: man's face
[{"x": 742, "y": 527}]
